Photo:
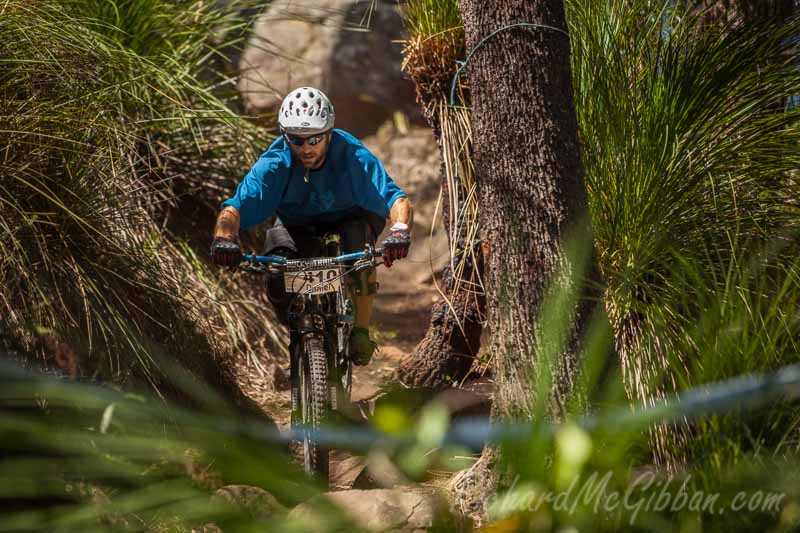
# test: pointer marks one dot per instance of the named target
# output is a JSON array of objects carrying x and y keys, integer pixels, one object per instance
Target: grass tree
[
  {"x": 446, "y": 353},
  {"x": 102, "y": 138},
  {"x": 690, "y": 162}
]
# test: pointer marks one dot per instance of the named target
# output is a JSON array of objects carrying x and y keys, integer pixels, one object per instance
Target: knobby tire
[{"x": 314, "y": 408}]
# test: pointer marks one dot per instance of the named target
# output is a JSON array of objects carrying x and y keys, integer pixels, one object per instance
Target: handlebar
[{"x": 370, "y": 254}]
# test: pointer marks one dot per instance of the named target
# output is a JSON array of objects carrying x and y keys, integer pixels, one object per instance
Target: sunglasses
[{"x": 300, "y": 141}]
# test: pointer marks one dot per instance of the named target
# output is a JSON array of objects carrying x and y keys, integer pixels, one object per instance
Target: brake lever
[
  {"x": 253, "y": 267},
  {"x": 375, "y": 255}
]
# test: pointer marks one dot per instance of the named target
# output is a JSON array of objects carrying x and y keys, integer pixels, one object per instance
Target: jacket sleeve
[
  {"x": 259, "y": 193},
  {"x": 375, "y": 190}
]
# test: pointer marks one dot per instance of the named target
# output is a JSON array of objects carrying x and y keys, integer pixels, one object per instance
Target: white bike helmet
[{"x": 306, "y": 111}]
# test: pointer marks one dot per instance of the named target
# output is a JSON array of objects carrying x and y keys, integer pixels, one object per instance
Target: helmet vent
[{"x": 305, "y": 104}]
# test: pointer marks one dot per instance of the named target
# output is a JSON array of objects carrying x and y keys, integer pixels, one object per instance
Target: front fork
[
  {"x": 337, "y": 342},
  {"x": 298, "y": 329},
  {"x": 295, "y": 353},
  {"x": 310, "y": 326}
]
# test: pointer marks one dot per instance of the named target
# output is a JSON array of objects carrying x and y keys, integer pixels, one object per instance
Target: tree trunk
[
  {"x": 532, "y": 198},
  {"x": 530, "y": 188}
]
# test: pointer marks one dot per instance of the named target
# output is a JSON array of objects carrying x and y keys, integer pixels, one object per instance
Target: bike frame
[
  {"x": 318, "y": 306},
  {"x": 325, "y": 318}
]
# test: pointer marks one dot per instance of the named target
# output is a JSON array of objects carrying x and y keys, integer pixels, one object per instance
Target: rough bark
[
  {"x": 446, "y": 353},
  {"x": 531, "y": 190},
  {"x": 533, "y": 201}
]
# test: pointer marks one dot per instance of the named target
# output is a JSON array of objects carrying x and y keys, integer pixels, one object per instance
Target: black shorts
[{"x": 356, "y": 232}]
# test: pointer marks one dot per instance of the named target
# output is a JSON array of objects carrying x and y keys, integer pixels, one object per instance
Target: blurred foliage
[{"x": 83, "y": 458}]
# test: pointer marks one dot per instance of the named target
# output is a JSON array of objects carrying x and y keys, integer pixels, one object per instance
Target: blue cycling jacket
[{"x": 350, "y": 179}]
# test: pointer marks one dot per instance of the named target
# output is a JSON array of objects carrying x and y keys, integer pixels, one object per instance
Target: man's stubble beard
[{"x": 317, "y": 162}]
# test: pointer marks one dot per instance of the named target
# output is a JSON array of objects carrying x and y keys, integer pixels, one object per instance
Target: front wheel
[{"x": 314, "y": 405}]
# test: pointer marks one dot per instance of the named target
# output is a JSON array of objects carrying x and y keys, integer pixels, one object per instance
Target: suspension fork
[{"x": 301, "y": 327}]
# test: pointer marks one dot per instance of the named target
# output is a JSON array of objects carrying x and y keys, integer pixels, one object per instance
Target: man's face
[{"x": 311, "y": 156}]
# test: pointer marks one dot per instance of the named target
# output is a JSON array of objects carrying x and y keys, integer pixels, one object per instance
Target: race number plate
[{"x": 313, "y": 281}]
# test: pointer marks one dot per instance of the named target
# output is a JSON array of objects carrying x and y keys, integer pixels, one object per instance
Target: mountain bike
[{"x": 321, "y": 313}]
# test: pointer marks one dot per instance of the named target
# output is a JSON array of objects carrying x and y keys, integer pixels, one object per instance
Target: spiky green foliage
[
  {"x": 85, "y": 458},
  {"x": 686, "y": 145},
  {"x": 436, "y": 42},
  {"x": 690, "y": 162},
  {"x": 426, "y": 18},
  {"x": 747, "y": 325},
  {"x": 98, "y": 138},
  {"x": 181, "y": 30}
]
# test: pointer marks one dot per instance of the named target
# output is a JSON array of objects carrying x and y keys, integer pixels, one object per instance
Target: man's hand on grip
[
  {"x": 396, "y": 245},
  {"x": 226, "y": 252}
]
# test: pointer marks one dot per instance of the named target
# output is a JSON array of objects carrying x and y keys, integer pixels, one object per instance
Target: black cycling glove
[
  {"x": 396, "y": 245},
  {"x": 226, "y": 252}
]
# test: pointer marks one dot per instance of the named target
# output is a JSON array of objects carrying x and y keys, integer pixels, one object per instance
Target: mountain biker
[{"x": 317, "y": 179}]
